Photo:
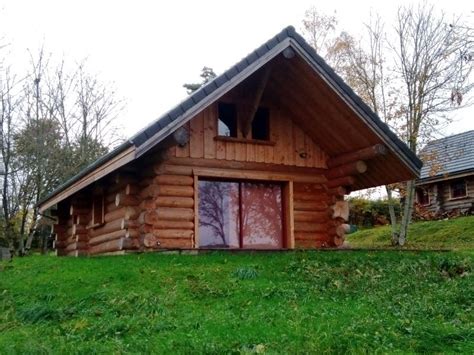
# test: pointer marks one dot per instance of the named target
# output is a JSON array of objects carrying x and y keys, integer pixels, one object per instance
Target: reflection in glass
[
  {"x": 222, "y": 205},
  {"x": 218, "y": 214},
  {"x": 261, "y": 215}
]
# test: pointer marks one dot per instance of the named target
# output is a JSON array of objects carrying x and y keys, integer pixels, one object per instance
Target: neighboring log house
[
  {"x": 446, "y": 181},
  {"x": 259, "y": 158}
]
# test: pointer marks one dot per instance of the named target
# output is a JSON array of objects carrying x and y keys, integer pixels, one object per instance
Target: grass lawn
[
  {"x": 455, "y": 234},
  {"x": 354, "y": 301}
]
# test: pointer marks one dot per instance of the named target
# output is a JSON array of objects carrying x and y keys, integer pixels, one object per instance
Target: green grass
[
  {"x": 297, "y": 302},
  {"x": 455, "y": 234}
]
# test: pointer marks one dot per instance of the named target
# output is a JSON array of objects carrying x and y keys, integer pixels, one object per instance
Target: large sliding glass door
[{"x": 240, "y": 215}]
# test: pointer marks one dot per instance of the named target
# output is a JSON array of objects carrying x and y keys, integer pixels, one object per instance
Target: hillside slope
[
  {"x": 455, "y": 234},
  {"x": 291, "y": 302}
]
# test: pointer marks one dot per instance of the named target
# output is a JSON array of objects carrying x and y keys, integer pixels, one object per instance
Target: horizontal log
[
  {"x": 260, "y": 175},
  {"x": 76, "y": 246},
  {"x": 59, "y": 244},
  {"x": 310, "y": 216},
  {"x": 178, "y": 191},
  {"x": 310, "y": 227},
  {"x": 76, "y": 211},
  {"x": 174, "y": 180},
  {"x": 107, "y": 237},
  {"x": 129, "y": 223},
  {"x": 311, "y": 236},
  {"x": 175, "y": 243},
  {"x": 339, "y": 191},
  {"x": 362, "y": 154},
  {"x": 342, "y": 181},
  {"x": 181, "y": 202},
  {"x": 308, "y": 188},
  {"x": 307, "y": 244},
  {"x": 148, "y": 217},
  {"x": 147, "y": 204},
  {"x": 175, "y": 214},
  {"x": 110, "y": 207},
  {"x": 109, "y": 227},
  {"x": 78, "y": 229},
  {"x": 241, "y": 166},
  {"x": 307, "y": 196},
  {"x": 167, "y": 169},
  {"x": 77, "y": 253},
  {"x": 145, "y": 228},
  {"x": 163, "y": 224},
  {"x": 114, "y": 235},
  {"x": 122, "y": 212},
  {"x": 126, "y": 200},
  {"x": 352, "y": 168},
  {"x": 114, "y": 245},
  {"x": 310, "y": 206},
  {"x": 77, "y": 238},
  {"x": 149, "y": 191},
  {"x": 151, "y": 241},
  {"x": 173, "y": 233}
]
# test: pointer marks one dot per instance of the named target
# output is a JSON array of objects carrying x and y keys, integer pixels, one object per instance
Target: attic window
[
  {"x": 261, "y": 124},
  {"x": 458, "y": 189},
  {"x": 227, "y": 120}
]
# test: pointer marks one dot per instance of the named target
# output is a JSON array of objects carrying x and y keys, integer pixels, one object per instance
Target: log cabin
[
  {"x": 446, "y": 182},
  {"x": 261, "y": 157}
]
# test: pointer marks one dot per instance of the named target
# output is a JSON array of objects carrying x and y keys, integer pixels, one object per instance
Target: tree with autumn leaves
[{"x": 412, "y": 75}]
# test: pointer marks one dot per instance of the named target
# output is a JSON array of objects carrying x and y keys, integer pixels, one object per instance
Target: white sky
[{"x": 148, "y": 49}]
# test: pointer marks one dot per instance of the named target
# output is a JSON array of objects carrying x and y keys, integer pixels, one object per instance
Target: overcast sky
[{"x": 148, "y": 49}]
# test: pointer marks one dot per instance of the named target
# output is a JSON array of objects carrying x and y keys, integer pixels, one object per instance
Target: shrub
[{"x": 368, "y": 213}]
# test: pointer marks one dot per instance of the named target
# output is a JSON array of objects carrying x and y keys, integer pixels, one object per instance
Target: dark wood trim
[{"x": 243, "y": 140}]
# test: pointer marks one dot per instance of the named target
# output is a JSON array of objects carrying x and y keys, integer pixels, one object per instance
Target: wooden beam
[
  {"x": 361, "y": 154},
  {"x": 253, "y": 105},
  {"x": 353, "y": 168},
  {"x": 342, "y": 181}
]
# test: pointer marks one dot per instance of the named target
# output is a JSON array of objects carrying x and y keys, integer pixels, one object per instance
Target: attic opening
[{"x": 227, "y": 120}]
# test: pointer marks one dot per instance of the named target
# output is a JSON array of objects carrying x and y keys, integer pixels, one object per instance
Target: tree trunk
[
  {"x": 407, "y": 212},
  {"x": 393, "y": 217}
]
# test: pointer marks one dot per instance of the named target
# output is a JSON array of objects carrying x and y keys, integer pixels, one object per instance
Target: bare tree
[{"x": 433, "y": 58}]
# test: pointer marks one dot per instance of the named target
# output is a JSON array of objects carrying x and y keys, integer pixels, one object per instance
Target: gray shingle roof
[
  {"x": 163, "y": 126},
  {"x": 448, "y": 156}
]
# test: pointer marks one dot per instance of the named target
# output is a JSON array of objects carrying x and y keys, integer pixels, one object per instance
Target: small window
[
  {"x": 227, "y": 120},
  {"x": 458, "y": 189},
  {"x": 98, "y": 210},
  {"x": 261, "y": 124},
  {"x": 423, "y": 196}
]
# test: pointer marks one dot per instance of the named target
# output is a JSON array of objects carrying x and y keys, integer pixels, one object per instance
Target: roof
[
  {"x": 159, "y": 129},
  {"x": 448, "y": 157}
]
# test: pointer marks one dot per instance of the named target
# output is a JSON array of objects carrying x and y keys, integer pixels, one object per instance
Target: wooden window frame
[
  {"x": 240, "y": 138},
  {"x": 451, "y": 190},
  {"x": 288, "y": 240},
  {"x": 98, "y": 199},
  {"x": 418, "y": 198}
]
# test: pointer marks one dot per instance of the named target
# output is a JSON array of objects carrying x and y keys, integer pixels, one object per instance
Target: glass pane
[
  {"x": 261, "y": 216},
  {"x": 218, "y": 214}
]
